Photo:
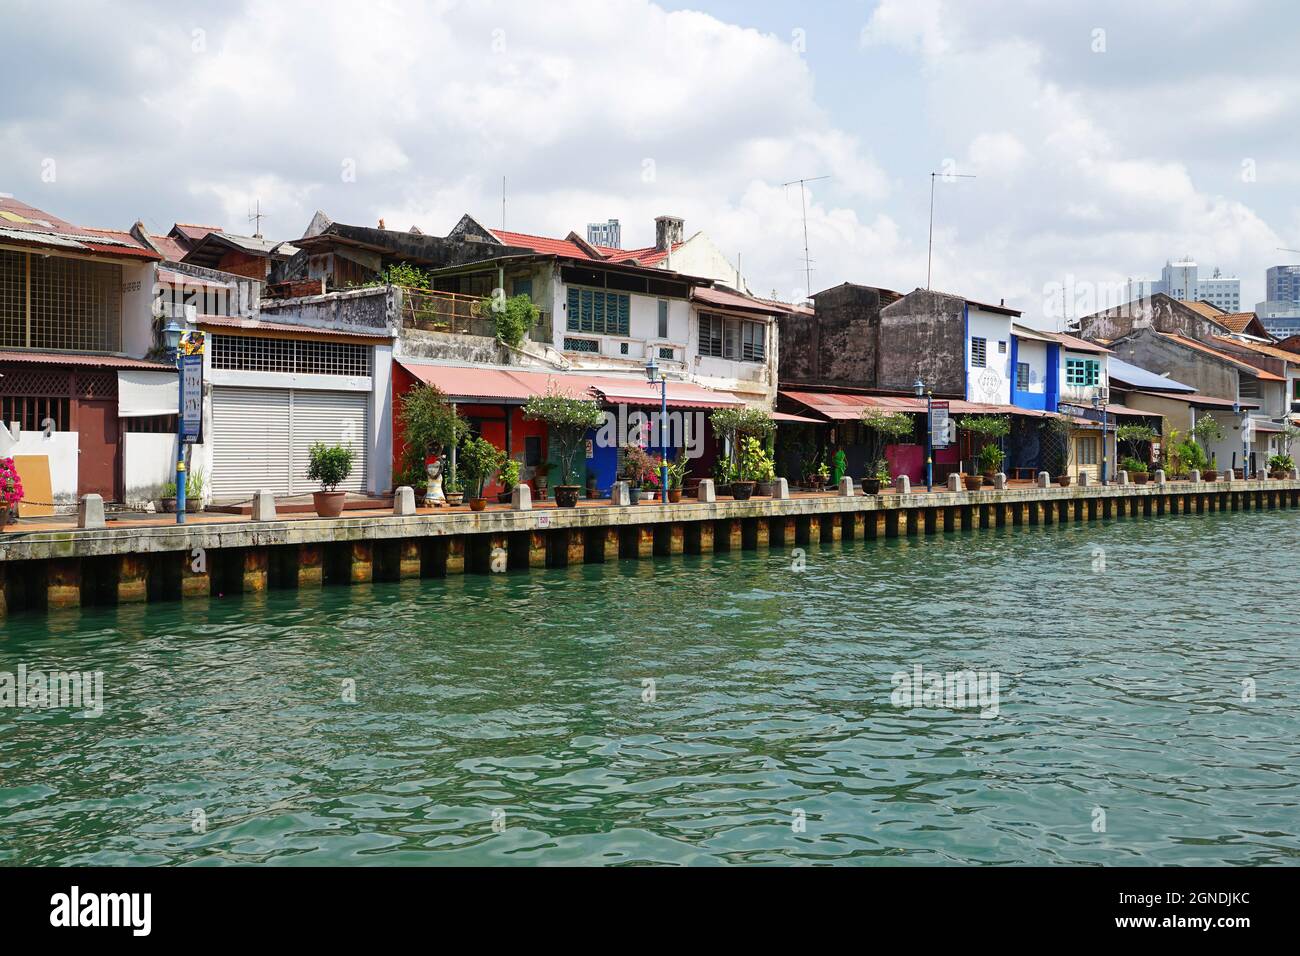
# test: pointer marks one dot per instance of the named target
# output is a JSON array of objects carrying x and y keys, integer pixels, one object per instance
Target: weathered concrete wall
[
  {"x": 924, "y": 333},
  {"x": 359, "y": 310},
  {"x": 839, "y": 343},
  {"x": 450, "y": 347},
  {"x": 1159, "y": 311},
  {"x": 1149, "y": 350}
]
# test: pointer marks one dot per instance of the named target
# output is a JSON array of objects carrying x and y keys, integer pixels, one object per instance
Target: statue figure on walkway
[{"x": 433, "y": 495}]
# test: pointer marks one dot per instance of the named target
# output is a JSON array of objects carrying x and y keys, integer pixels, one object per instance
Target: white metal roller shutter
[
  {"x": 334, "y": 418},
  {"x": 250, "y": 441}
]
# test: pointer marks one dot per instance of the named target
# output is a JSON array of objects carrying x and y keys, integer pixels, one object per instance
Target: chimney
[
  {"x": 381, "y": 224},
  {"x": 668, "y": 232}
]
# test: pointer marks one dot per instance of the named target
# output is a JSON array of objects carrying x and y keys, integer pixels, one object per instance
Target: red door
[{"x": 99, "y": 436}]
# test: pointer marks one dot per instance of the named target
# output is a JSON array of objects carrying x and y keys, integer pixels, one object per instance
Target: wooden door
[{"x": 99, "y": 465}]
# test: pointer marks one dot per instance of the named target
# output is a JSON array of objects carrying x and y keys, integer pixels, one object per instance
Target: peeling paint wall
[
  {"x": 1147, "y": 349},
  {"x": 924, "y": 334},
  {"x": 839, "y": 343}
]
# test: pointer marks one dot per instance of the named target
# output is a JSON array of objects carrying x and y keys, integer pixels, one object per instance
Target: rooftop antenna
[
  {"x": 807, "y": 261},
  {"x": 256, "y": 219},
  {"x": 503, "y": 203},
  {"x": 929, "y": 252}
]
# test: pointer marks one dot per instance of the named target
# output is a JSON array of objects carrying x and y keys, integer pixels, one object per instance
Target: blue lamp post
[
  {"x": 172, "y": 335},
  {"x": 922, "y": 392},
  {"x": 653, "y": 375}
]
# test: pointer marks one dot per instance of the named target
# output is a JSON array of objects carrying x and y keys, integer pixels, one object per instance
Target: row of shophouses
[{"x": 307, "y": 342}]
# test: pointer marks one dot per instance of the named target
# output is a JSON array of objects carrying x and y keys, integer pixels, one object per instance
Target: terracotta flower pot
[
  {"x": 742, "y": 490},
  {"x": 329, "y": 504},
  {"x": 566, "y": 496},
  {"x": 974, "y": 482},
  {"x": 477, "y": 504},
  {"x": 1209, "y": 474},
  {"x": 1140, "y": 477},
  {"x": 167, "y": 505},
  {"x": 1064, "y": 480},
  {"x": 674, "y": 495}
]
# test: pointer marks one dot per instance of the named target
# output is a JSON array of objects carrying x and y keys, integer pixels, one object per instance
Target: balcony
[{"x": 451, "y": 312}]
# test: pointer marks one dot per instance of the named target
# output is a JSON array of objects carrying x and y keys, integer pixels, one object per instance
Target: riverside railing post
[
  {"x": 663, "y": 439},
  {"x": 172, "y": 335}
]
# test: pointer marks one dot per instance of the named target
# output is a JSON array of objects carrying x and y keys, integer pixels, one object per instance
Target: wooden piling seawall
[{"x": 53, "y": 570}]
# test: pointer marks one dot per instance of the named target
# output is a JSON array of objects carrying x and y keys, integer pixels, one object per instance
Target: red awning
[
  {"x": 514, "y": 387},
  {"x": 839, "y": 406},
  {"x": 795, "y": 419}
]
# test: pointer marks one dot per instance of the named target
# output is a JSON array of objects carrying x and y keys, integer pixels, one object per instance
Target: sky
[{"x": 1104, "y": 138}]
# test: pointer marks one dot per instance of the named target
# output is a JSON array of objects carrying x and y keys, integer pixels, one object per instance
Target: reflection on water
[{"x": 693, "y": 710}]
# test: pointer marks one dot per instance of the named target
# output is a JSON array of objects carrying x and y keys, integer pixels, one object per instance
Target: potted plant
[
  {"x": 455, "y": 492},
  {"x": 973, "y": 482},
  {"x": 878, "y": 477},
  {"x": 760, "y": 464},
  {"x": 541, "y": 475},
  {"x": 677, "y": 469},
  {"x": 991, "y": 458},
  {"x": 724, "y": 472},
  {"x": 1211, "y": 472},
  {"x": 508, "y": 475},
  {"x": 637, "y": 466},
  {"x": 11, "y": 490},
  {"x": 568, "y": 420},
  {"x": 881, "y": 429},
  {"x": 329, "y": 466},
  {"x": 1137, "y": 470},
  {"x": 1205, "y": 433},
  {"x": 650, "y": 482},
  {"x": 429, "y": 426},
  {"x": 1279, "y": 466},
  {"x": 194, "y": 486},
  {"x": 478, "y": 459},
  {"x": 731, "y": 425},
  {"x": 167, "y": 498}
]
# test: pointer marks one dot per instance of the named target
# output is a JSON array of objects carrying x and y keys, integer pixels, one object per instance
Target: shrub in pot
[
  {"x": 508, "y": 475},
  {"x": 167, "y": 498},
  {"x": 676, "y": 477},
  {"x": 541, "y": 475},
  {"x": 454, "y": 491},
  {"x": 478, "y": 459},
  {"x": 195, "y": 484},
  {"x": 329, "y": 466},
  {"x": 638, "y": 468},
  {"x": 430, "y": 426},
  {"x": 11, "y": 490},
  {"x": 1279, "y": 466},
  {"x": 758, "y": 464},
  {"x": 991, "y": 458},
  {"x": 877, "y": 478},
  {"x": 1137, "y": 470},
  {"x": 568, "y": 419},
  {"x": 1064, "y": 480}
]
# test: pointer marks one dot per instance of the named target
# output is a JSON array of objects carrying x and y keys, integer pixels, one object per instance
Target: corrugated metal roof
[
  {"x": 1223, "y": 357},
  {"x": 257, "y": 325},
  {"x": 81, "y": 359},
  {"x": 725, "y": 299},
  {"x": 20, "y": 222},
  {"x": 510, "y": 385},
  {"x": 1142, "y": 378}
]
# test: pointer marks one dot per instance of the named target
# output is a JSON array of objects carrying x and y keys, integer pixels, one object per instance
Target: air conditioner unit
[{"x": 1103, "y": 394}]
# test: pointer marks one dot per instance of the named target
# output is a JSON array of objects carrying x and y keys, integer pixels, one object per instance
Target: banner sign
[
  {"x": 191, "y": 371},
  {"x": 939, "y": 424}
]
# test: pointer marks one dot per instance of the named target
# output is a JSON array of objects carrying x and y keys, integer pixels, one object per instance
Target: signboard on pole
[
  {"x": 192, "y": 399},
  {"x": 939, "y": 424}
]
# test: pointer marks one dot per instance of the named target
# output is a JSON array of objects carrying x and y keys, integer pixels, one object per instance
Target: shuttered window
[
  {"x": 979, "y": 353},
  {"x": 602, "y": 313}
]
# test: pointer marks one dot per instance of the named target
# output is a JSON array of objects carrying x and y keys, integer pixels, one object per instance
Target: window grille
[
  {"x": 604, "y": 313},
  {"x": 666, "y": 353},
  {"x": 1022, "y": 376},
  {"x": 52, "y": 302},
  {"x": 151, "y": 424},
  {"x": 1082, "y": 372},
  {"x": 581, "y": 345},
  {"x": 247, "y": 353},
  {"x": 30, "y": 411},
  {"x": 979, "y": 353}
]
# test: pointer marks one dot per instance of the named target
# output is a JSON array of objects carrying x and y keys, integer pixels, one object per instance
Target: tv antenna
[
  {"x": 256, "y": 217},
  {"x": 929, "y": 251},
  {"x": 503, "y": 203},
  {"x": 807, "y": 260}
]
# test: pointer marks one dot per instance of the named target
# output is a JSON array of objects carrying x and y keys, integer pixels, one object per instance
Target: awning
[
  {"x": 308, "y": 331},
  {"x": 172, "y": 277},
  {"x": 789, "y": 419},
  {"x": 514, "y": 387},
  {"x": 1199, "y": 401},
  {"x": 142, "y": 393},
  {"x": 840, "y": 406}
]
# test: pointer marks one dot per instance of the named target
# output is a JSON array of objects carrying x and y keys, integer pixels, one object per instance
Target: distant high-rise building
[
  {"x": 1282, "y": 284},
  {"x": 608, "y": 234},
  {"x": 1280, "y": 318},
  {"x": 1181, "y": 280}
]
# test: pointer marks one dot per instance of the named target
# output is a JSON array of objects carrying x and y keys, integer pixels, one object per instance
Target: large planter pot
[
  {"x": 329, "y": 504},
  {"x": 455, "y": 499},
  {"x": 634, "y": 495},
  {"x": 167, "y": 505},
  {"x": 195, "y": 505},
  {"x": 871, "y": 486},
  {"x": 674, "y": 495},
  {"x": 1209, "y": 475},
  {"x": 1275, "y": 473},
  {"x": 742, "y": 490},
  {"x": 477, "y": 504},
  {"x": 974, "y": 482},
  {"x": 540, "y": 485},
  {"x": 4, "y": 516},
  {"x": 722, "y": 491},
  {"x": 1064, "y": 480},
  {"x": 566, "y": 496},
  {"x": 988, "y": 477},
  {"x": 1140, "y": 477},
  {"x": 648, "y": 495},
  {"x": 764, "y": 489}
]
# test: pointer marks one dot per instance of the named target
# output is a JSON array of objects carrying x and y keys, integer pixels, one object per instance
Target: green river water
[{"x": 1148, "y": 711}]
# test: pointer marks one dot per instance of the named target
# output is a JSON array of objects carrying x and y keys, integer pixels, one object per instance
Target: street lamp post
[
  {"x": 172, "y": 335},
  {"x": 919, "y": 388},
  {"x": 1100, "y": 406},
  {"x": 653, "y": 375}
]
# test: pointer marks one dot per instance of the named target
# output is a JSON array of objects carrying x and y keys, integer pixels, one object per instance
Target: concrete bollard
[
  {"x": 1000, "y": 482},
  {"x": 90, "y": 513},
  {"x": 1123, "y": 477},
  {"x": 954, "y": 482},
  {"x": 403, "y": 501},
  {"x": 782, "y": 490},
  {"x": 903, "y": 484},
  {"x": 263, "y": 506},
  {"x": 1044, "y": 480},
  {"x": 847, "y": 489},
  {"x": 1295, "y": 474},
  {"x": 1195, "y": 475},
  {"x": 521, "y": 498},
  {"x": 1160, "y": 476},
  {"x": 706, "y": 492},
  {"x": 619, "y": 496},
  {"x": 1084, "y": 479}
]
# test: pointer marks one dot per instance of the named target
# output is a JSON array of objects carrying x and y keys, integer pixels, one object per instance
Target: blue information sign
[{"x": 192, "y": 399}]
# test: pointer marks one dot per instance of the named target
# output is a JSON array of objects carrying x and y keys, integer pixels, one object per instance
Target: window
[
  {"x": 1002, "y": 347},
  {"x": 1086, "y": 450},
  {"x": 524, "y": 287},
  {"x": 51, "y": 302},
  {"x": 1082, "y": 372},
  {"x": 979, "y": 353},
  {"x": 665, "y": 353},
  {"x": 663, "y": 318},
  {"x": 732, "y": 338},
  {"x": 1295, "y": 389},
  {"x": 31, "y": 412},
  {"x": 604, "y": 313},
  {"x": 1022, "y": 376},
  {"x": 622, "y": 348},
  {"x": 581, "y": 345},
  {"x": 151, "y": 424},
  {"x": 246, "y": 353},
  {"x": 1248, "y": 387},
  {"x": 532, "y": 451}
]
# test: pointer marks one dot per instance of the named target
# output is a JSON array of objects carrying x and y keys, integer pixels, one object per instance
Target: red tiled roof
[
  {"x": 170, "y": 248},
  {"x": 725, "y": 299},
  {"x": 81, "y": 358},
  {"x": 542, "y": 244},
  {"x": 1236, "y": 322},
  {"x": 1223, "y": 357},
  {"x": 1269, "y": 350},
  {"x": 193, "y": 232}
]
